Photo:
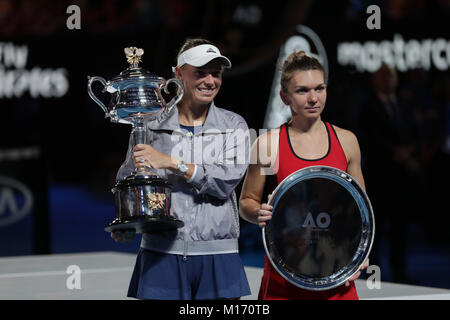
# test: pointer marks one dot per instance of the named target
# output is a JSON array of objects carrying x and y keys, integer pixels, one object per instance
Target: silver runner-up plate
[{"x": 322, "y": 228}]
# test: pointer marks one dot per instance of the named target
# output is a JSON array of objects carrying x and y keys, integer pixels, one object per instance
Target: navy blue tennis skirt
[{"x": 171, "y": 277}]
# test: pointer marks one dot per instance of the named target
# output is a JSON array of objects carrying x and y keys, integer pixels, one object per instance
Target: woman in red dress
[{"x": 303, "y": 141}]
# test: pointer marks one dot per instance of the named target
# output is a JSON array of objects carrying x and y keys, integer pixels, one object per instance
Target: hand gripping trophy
[{"x": 142, "y": 199}]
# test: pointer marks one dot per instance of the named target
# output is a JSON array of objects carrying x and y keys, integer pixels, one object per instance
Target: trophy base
[{"x": 145, "y": 224}]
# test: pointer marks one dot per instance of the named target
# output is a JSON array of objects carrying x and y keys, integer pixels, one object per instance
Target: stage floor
[{"x": 105, "y": 276}]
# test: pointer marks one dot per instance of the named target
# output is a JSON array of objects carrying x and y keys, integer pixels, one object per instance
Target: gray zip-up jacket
[{"x": 207, "y": 202}]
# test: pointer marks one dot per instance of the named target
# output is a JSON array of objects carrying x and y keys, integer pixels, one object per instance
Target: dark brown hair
[{"x": 298, "y": 61}]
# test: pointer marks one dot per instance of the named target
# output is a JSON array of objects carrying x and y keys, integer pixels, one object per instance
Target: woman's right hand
[
  {"x": 264, "y": 214},
  {"x": 123, "y": 236}
]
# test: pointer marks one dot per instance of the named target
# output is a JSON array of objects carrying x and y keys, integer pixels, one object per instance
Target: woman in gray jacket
[{"x": 203, "y": 151}]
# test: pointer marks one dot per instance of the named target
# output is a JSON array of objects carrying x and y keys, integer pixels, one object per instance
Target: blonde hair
[
  {"x": 191, "y": 43},
  {"x": 188, "y": 44},
  {"x": 297, "y": 61}
]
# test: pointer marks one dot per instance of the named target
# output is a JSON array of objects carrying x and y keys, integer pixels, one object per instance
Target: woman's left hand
[
  {"x": 356, "y": 276},
  {"x": 145, "y": 155}
]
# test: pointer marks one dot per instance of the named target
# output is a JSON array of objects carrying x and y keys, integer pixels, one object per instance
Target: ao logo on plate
[{"x": 322, "y": 221}]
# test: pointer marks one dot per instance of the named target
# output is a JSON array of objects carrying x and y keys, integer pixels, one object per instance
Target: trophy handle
[
  {"x": 178, "y": 97},
  {"x": 92, "y": 95}
]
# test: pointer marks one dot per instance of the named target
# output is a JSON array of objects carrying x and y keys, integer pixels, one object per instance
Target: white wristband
[{"x": 193, "y": 174}]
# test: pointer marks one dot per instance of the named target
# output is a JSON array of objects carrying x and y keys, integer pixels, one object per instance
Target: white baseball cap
[{"x": 200, "y": 55}]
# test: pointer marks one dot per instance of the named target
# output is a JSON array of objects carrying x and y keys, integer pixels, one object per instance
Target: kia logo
[{"x": 16, "y": 201}]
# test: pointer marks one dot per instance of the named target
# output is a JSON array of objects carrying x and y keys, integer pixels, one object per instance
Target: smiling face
[
  {"x": 305, "y": 93},
  {"x": 201, "y": 84}
]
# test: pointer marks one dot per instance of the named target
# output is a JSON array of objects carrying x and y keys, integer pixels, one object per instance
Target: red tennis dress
[{"x": 273, "y": 285}]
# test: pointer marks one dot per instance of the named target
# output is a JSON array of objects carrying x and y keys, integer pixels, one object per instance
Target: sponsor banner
[
  {"x": 397, "y": 52},
  {"x": 23, "y": 202},
  {"x": 16, "y": 80}
]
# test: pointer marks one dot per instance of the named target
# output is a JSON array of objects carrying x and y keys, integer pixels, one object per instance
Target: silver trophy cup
[{"x": 142, "y": 200}]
